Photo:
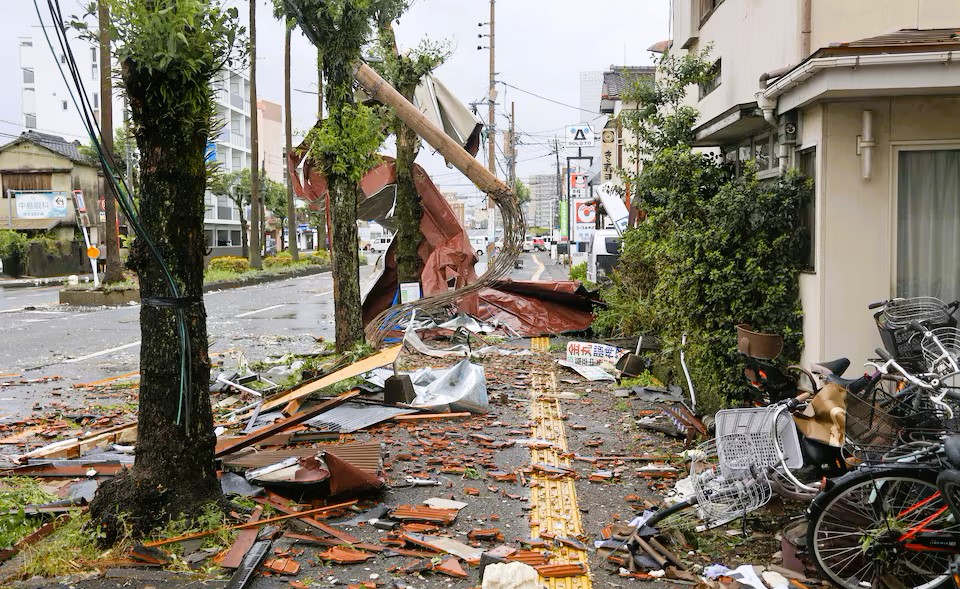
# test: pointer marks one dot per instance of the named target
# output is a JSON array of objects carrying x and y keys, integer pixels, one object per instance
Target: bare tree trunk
[
  {"x": 114, "y": 271},
  {"x": 244, "y": 241},
  {"x": 173, "y": 472},
  {"x": 288, "y": 130},
  {"x": 255, "y": 211},
  {"x": 409, "y": 210}
]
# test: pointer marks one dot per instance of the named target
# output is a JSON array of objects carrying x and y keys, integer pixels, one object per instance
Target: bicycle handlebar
[
  {"x": 876, "y": 305},
  {"x": 884, "y": 355}
]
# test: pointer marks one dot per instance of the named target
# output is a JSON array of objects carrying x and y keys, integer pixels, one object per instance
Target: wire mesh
[
  {"x": 757, "y": 424},
  {"x": 727, "y": 479},
  {"x": 899, "y": 313},
  {"x": 941, "y": 348}
]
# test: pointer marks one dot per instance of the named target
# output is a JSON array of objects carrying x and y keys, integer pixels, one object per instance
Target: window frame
[
  {"x": 716, "y": 79},
  {"x": 811, "y": 220},
  {"x": 706, "y": 14}
]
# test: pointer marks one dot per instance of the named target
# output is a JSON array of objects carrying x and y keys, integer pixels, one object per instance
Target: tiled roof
[
  {"x": 620, "y": 77},
  {"x": 902, "y": 41},
  {"x": 56, "y": 144}
]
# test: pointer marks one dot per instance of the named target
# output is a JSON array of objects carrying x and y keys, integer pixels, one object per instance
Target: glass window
[
  {"x": 235, "y": 237},
  {"x": 96, "y": 100},
  {"x": 712, "y": 82},
  {"x": 208, "y": 235},
  {"x": 30, "y": 121},
  {"x": 224, "y": 208},
  {"x": 26, "y": 43},
  {"x": 807, "y": 164},
  {"x": 928, "y": 224},
  {"x": 761, "y": 152},
  {"x": 63, "y": 105},
  {"x": 93, "y": 54},
  {"x": 28, "y": 75},
  {"x": 223, "y": 237},
  {"x": 744, "y": 153}
]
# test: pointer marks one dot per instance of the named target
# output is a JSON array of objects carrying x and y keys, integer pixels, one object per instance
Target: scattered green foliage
[
  {"x": 15, "y": 493},
  {"x": 71, "y": 546},
  {"x": 644, "y": 380},
  {"x": 229, "y": 263},
  {"x": 213, "y": 517},
  {"x": 621, "y": 405},
  {"x": 578, "y": 271},
  {"x": 714, "y": 250},
  {"x": 472, "y": 474}
]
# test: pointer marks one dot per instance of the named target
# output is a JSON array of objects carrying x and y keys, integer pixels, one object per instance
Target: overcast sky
[{"x": 541, "y": 47}]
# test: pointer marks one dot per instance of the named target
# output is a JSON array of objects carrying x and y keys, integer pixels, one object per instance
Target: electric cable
[{"x": 122, "y": 192}]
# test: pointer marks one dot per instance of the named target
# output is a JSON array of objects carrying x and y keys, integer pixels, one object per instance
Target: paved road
[{"x": 40, "y": 339}]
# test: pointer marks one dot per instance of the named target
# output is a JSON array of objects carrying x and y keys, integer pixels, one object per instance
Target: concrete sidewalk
[{"x": 7, "y": 282}]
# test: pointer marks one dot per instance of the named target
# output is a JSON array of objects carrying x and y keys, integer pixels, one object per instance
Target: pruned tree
[
  {"x": 168, "y": 52},
  {"x": 405, "y": 71},
  {"x": 235, "y": 185},
  {"x": 344, "y": 145}
]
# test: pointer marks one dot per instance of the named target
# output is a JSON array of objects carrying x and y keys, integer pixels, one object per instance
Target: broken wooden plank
[
  {"x": 231, "y": 446},
  {"x": 75, "y": 447},
  {"x": 420, "y": 416},
  {"x": 244, "y": 542},
  {"x": 344, "y": 537},
  {"x": 383, "y": 358},
  {"x": 257, "y": 523}
]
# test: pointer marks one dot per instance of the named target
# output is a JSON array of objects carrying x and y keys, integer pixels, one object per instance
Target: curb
[{"x": 49, "y": 281}]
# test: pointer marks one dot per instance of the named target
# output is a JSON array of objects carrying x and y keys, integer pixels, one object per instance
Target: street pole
[
  {"x": 512, "y": 153},
  {"x": 256, "y": 234},
  {"x": 555, "y": 222},
  {"x": 492, "y": 126},
  {"x": 111, "y": 239},
  {"x": 288, "y": 130}
]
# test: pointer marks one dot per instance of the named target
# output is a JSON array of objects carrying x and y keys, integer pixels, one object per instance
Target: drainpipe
[
  {"x": 769, "y": 105},
  {"x": 806, "y": 13}
]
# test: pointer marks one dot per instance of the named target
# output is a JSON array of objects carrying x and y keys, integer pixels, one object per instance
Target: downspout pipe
[
  {"x": 806, "y": 20},
  {"x": 769, "y": 105}
]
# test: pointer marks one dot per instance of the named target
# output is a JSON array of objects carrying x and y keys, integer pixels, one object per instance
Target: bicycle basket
[
  {"x": 756, "y": 422},
  {"x": 727, "y": 480},
  {"x": 896, "y": 315},
  {"x": 941, "y": 350}
]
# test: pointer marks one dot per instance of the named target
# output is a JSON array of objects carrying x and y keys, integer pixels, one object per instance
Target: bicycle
[{"x": 896, "y": 522}]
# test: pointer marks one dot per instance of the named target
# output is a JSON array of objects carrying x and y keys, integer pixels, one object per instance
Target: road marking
[
  {"x": 323, "y": 294},
  {"x": 540, "y": 267},
  {"x": 554, "y": 501},
  {"x": 12, "y": 310},
  {"x": 101, "y": 353},
  {"x": 248, "y": 313}
]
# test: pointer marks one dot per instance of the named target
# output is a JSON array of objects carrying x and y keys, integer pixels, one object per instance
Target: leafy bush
[
  {"x": 13, "y": 244},
  {"x": 230, "y": 264},
  {"x": 317, "y": 258},
  {"x": 713, "y": 250},
  {"x": 279, "y": 260},
  {"x": 579, "y": 272},
  {"x": 15, "y": 494}
]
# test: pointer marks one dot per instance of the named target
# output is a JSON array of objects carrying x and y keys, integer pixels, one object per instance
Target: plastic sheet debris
[
  {"x": 461, "y": 388},
  {"x": 511, "y": 575},
  {"x": 411, "y": 338},
  {"x": 592, "y": 373}
]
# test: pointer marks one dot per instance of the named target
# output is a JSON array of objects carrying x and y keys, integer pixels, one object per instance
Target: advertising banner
[{"x": 41, "y": 205}]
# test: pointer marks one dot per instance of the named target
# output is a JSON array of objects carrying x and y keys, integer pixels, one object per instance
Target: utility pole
[
  {"x": 288, "y": 130},
  {"x": 492, "y": 125},
  {"x": 510, "y": 147},
  {"x": 256, "y": 233},
  {"x": 556, "y": 151},
  {"x": 113, "y": 273}
]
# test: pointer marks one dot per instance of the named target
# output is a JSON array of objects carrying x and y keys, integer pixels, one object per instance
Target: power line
[{"x": 547, "y": 99}]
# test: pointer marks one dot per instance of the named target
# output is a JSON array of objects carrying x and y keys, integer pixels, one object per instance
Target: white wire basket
[
  {"x": 756, "y": 423},
  {"x": 727, "y": 480},
  {"x": 941, "y": 350},
  {"x": 899, "y": 313}
]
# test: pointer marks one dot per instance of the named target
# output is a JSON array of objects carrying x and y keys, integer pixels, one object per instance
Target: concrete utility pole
[
  {"x": 256, "y": 233},
  {"x": 492, "y": 124},
  {"x": 288, "y": 130},
  {"x": 556, "y": 151},
  {"x": 510, "y": 146},
  {"x": 114, "y": 273}
]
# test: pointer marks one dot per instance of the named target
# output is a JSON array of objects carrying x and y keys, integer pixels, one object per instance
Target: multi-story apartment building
[
  {"x": 544, "y": 200},
  {"x": 864, "y": 96}
]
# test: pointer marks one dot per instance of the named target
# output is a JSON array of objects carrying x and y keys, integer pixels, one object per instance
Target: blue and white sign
[
  {"x": 41, "y": 205},
  {"x": 580, "y": 136}
]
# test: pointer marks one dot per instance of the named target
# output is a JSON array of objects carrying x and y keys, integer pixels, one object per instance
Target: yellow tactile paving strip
[
  {"x": 540, "y": 344},
  {"x": 554, "y": 501}
]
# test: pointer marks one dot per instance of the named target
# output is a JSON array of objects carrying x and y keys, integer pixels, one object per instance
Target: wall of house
[
  {"x": 841, "y": 21},
  {"x": 810, "y": 130},
  {"x": 856, "y": 217},
  {"x": 750, "y": 37},
  {"x": 27, "y": 156}
]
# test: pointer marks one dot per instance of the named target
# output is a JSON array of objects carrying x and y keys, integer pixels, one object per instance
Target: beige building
[
  {"x": 40, "y": 162},
  {"x": 864, "y": 96},
  {"x": 272, "y": 139}
]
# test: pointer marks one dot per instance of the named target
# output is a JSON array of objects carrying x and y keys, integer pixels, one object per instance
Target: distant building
[{"x": 544, "y": 200}]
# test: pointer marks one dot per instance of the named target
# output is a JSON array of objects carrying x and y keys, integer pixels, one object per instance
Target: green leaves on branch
[{"x": 346, "y": 145}]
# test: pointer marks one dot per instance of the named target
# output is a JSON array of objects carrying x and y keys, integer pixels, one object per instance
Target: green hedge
[{"x": 229, "y": 264}]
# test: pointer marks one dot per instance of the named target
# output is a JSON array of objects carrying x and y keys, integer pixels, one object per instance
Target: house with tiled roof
[
  {"x": 41, "y": 163},
  {"x": 864, "y": 97}
]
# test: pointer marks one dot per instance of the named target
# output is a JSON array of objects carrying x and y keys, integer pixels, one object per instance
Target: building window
[
  {"x": 807, "y": 164},
  {"x": 26, "y": 43},
  {"x": 762, "y": 149},
  {"x": 223, "y": 238},
  {"x": 712, "y": 82},
  {"x": 28, "y": 75},
  {"x": 707, "y": 7},
  {"x": 63, "y": 105},
  {"x": 235, "y": 238},
  {"x": 96, "y": 100},
  {"x": 208, "y": 236},
  {"x": 928, "y": 223},
  {"x": 224, "y": 208},
  {"x": 30, "y": 121},
  {"x": 63, "y": 58},
  {"x": 93, "y": 54}
]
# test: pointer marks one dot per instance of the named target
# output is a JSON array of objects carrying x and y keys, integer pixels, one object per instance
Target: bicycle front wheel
[{"x": 859, "y": 530}]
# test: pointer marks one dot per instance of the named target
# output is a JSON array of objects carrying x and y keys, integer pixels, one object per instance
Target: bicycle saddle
[
  {"x": 837, "y": 367},
  {"x": 951, "y": 447}
]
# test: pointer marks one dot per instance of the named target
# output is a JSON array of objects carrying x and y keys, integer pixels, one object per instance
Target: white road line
[
  {"x": 12, "y": 310},
  {"x": 248, "y": 313},
  {"x": 323, "y": 294},
  {"x": 101, "y": 353},
  {"x": 540, "y": 268}
]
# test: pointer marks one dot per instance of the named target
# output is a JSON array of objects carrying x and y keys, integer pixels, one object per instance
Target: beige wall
[
  {"x": 272, "y": 138},
  {"x": 750, "y": 37},
  {"x": 856, "y": 216},
  {"x": 849, "y": 20}
]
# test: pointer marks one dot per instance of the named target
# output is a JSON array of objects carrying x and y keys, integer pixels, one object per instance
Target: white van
[
  {"x": 479, "y": 244},
  {"x": 603, "y": 253},
  {"x": 381, "y": 244}
]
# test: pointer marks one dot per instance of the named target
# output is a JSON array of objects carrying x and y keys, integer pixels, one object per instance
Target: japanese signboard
[
  {"x": 592, "y": 354},
  {"x": 609, "y": 161},
  {"x": 41, "y": 205},
  {"x": 584, "y": 219}
]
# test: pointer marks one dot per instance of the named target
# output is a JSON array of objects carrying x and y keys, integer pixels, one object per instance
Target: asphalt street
[{"x": 46, "y": 348}]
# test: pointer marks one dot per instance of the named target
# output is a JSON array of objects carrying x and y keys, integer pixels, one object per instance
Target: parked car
[
  {"x": 539, "y": 244},
  {"x": 528, "y": 245}
]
